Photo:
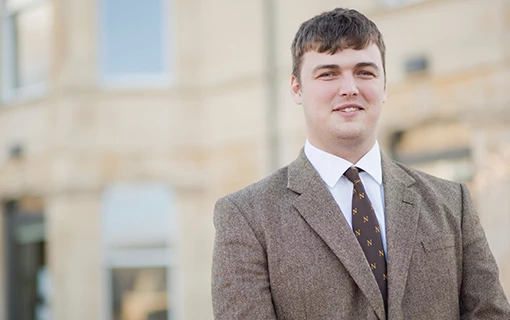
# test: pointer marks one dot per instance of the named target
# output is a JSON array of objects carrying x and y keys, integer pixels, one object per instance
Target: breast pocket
[
  {"x": 438, "y": 257},
  {"x": 432, "y": 272},
  {"x": 438, "y": 243}
]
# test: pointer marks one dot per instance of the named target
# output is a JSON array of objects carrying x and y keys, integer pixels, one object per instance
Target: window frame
[
  {"x": 142, "y": 259},
  {"x": 9, "y": 92},
  {"x": 161, "y": 255}
]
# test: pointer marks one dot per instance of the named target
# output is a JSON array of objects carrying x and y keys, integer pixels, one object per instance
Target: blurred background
[{"x": 123, "y": 121}]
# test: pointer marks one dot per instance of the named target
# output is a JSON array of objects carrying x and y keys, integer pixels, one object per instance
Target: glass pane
[
  {"x": 33, "y": 44},
  {"x": 400, "y": 2},
  {"x": 28, "y": 282},
  {"x": 139, "y": 294},
  {"x": 13, "y": 5},
  {"x": 132, "y": 33}
]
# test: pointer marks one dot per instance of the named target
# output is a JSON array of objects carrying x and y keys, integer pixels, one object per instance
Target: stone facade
[{"x": 205, "y": 134}]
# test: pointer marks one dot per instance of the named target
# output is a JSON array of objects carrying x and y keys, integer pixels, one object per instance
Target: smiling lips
[{"x": 349, "y": 108}]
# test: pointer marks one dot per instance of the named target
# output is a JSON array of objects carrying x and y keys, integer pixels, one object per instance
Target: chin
[
  {"x": 350, "y": 135},
  {"x": 350, "y": 139}
]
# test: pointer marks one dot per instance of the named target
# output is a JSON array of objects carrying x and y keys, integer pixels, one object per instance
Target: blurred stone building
[{"x": 122, "y": 122}]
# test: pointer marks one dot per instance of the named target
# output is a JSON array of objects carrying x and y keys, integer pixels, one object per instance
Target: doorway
[{"x": 27, "y": 282}]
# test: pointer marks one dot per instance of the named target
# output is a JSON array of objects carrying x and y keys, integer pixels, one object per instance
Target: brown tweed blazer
[{"x": 283, "y": 250}]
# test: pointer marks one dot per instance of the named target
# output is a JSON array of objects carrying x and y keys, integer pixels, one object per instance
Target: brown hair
[{"x": 335, "y": 30}]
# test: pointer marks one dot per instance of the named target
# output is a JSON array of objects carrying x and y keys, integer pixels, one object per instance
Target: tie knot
[{"x": 352, "y": 174}]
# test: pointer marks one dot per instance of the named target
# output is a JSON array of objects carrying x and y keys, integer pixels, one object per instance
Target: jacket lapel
[
  {"x": 401, "y": 222},
  {"x": 319, "y": 209}
]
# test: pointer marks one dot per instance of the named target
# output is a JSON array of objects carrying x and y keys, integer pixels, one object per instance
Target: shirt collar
[{"x": 331, "y": 168}]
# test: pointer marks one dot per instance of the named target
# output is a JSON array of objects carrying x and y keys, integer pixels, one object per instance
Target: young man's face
[{"x": 341, "y": 94}]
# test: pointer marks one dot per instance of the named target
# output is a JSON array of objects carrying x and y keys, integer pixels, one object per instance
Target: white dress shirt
[{"x": 331, "y": 169}]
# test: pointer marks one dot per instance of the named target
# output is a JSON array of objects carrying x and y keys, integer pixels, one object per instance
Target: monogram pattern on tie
[{"x": 367, "y": 231}]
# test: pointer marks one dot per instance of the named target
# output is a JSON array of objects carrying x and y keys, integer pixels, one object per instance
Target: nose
[{"x": 348, "y": 86}]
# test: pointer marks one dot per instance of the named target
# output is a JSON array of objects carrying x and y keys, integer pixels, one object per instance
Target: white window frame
[
  {"x": 9, "y": 91},
  {"x": 160, "y": 256},
  {"x": 140, "y": 81}
]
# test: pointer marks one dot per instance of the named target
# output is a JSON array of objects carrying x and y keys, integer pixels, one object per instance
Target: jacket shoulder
[
  {"x": 271, "y": 187},
  {"x": 434, "y": 186}
]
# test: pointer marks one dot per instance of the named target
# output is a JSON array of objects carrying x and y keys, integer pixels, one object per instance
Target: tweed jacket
[{"x": 283, "y": 250}]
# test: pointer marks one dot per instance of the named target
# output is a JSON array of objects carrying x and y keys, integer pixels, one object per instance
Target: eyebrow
[
  {"x": 367, "y": 64},
  {"x": 335, "y": 66}
]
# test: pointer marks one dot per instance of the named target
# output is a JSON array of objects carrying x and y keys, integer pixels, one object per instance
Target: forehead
[{"x": 344, "y": 58}]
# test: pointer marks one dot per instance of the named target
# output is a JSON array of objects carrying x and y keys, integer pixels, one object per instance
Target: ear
[{"x": 295, "y": 90}]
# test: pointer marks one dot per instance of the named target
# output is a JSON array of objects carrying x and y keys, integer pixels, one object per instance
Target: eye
[
  {"x": 327, "y": 74},
  {"x": 366, "y": 73}
]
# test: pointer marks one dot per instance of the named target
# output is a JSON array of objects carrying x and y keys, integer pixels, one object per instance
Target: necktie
[{"x": 367, "y": 231}]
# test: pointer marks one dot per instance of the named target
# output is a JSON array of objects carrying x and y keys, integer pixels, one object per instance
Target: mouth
[{"x": 349, "y": 108}]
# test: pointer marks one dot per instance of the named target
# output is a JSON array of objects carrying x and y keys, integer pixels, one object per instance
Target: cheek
[
  {"x": 374, "y": 95},
  {"x": 329, "y": 90},
  {"x": 321, "y": 93}
]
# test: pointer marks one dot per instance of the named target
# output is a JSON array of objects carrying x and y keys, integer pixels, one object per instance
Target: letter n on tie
[{"x": 367, "y": 231}]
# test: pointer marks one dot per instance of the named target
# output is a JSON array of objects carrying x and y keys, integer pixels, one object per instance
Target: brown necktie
[{"x": 367, "y": 231}]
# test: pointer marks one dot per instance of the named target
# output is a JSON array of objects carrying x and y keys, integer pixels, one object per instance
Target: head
[
  {"x": 332, "y": 31},
  {"x": 339, "y": 78}
]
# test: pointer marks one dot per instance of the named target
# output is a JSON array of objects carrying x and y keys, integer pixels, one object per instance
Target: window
[
  {"x": 139, "y": 293},
  {"x": 26, "y": 48},
  {"x": 133, "y": 42},
  {"x": 397, "y": 3},
  {"x": 424, "y": 147},
  {"x": 140, "y": 242}
]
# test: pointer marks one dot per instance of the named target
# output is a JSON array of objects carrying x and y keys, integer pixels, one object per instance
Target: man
[{"x": 343, "y": 232}]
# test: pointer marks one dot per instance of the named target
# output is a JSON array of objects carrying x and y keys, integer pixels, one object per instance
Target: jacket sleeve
[
  {"x": 481, "y": 295},
  {"x": 240, "y": 279}
]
